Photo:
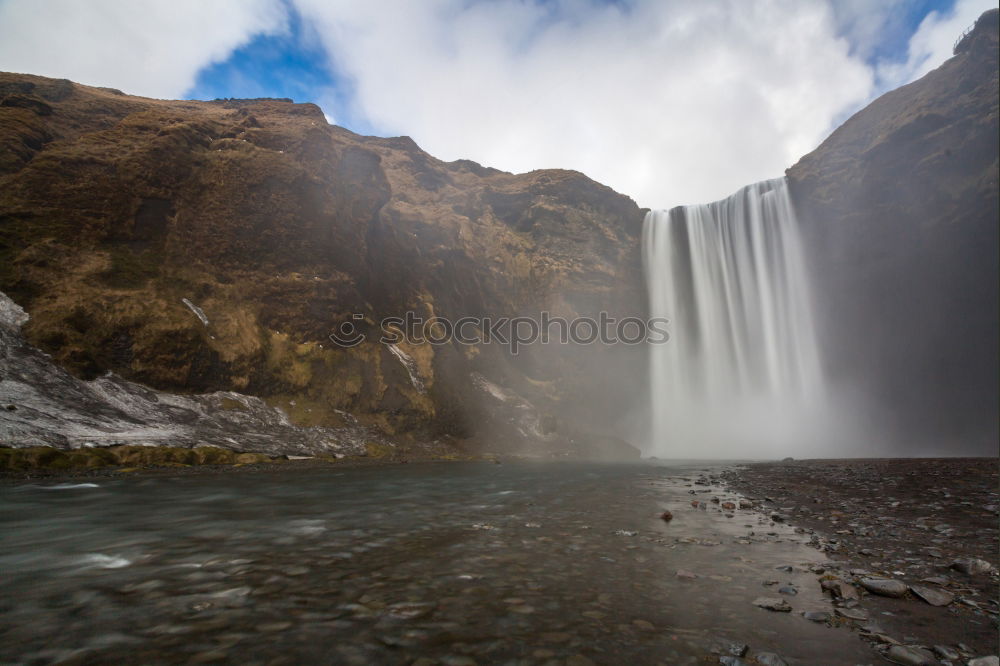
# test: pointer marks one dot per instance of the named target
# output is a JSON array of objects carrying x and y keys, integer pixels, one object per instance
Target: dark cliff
[
  {"x": 900, "y": 210},
  {"x": 280, "y": 227}
]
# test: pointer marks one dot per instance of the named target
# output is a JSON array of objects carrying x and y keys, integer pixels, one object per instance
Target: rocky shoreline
[{"x": 913, "y": 544}]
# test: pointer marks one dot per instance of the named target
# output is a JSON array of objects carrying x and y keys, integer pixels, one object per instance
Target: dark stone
[
  {"x": 885, "y": 587},
  {"x": 772, "y": 604},
  {"x": 910, "y": 656}
]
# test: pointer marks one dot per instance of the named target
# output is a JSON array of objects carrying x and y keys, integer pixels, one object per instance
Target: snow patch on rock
[
  {"x": 198, "y": 312},
  {"x": 411, "y": 367}
]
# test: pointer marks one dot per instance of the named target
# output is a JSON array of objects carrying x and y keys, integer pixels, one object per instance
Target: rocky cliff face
[
  {"x": 900, "y": 208},
  {"x": 45, "y": 405},
  {"x": 198, "y": 247},
  {"x": 214, "y": 246}
]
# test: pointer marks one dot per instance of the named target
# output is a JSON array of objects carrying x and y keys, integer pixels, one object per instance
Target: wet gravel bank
[{"x": 914, "y": 542}]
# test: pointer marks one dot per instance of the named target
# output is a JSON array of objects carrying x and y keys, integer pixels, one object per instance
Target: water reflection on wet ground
[{"x": 431, "y": 563}]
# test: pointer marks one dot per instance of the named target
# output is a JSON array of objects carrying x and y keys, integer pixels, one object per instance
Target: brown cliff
[{"x": 279, "y": 227}]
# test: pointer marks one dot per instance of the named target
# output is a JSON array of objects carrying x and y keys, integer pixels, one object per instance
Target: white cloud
[
  {"x": 145, "y": 47},
  {"x": 869, "y": 25},
  {"x": 670, "y": 103},
  {"x": 933, "y": 42}
]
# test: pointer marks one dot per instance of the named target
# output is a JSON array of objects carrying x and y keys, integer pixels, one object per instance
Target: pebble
[
  {"x": 772, "y": 604},
  {"x": 852, "y": 613},
  {"x": 884, "y": 638},
  {"x": 687, "y": 575},
  {"x": 910, "y": 656},
  {"x": 816, "y": 616},
  {"x": 409, "y": 610},
  {"x": 840, "y": 589},
  {"x": 971, "y": 566},
  {"x": 946, "y": 652},
  {"x": 738, "y": 649},
  {"x": 788, "y": 590},
  {"x": 932, "y": 596},
  {"x": 770, "y": 659},
  {"x": 726, "y": 660},
  {"x": 886, "y": 587},
  {"x": 937, "y": 580},
  {"x": 985, "y": 661}
]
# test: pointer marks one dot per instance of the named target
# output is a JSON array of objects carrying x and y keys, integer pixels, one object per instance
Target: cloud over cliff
[{"x": 672, "y": 103}]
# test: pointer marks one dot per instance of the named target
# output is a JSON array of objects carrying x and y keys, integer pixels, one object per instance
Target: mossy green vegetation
[
  {"x": 230, "y": 404},
  {"x": 131, "y": 270},
  {"x": 49, "y": 458},
  {"x": 378, "y": 451}
]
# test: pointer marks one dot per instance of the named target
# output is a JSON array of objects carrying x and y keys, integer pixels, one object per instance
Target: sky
[{"x": 668, "y": 101}]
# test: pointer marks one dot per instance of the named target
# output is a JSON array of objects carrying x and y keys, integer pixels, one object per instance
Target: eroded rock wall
[{"x": 278, "y": 227}]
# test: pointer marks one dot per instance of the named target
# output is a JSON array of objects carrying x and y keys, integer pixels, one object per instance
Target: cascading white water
[{"x": 740, "y": 375}]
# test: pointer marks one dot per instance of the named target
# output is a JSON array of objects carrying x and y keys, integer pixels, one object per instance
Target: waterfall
[{"x": 740, "y": 375}]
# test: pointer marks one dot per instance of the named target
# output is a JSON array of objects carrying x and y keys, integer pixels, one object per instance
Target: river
[{"x": 449, "y": 563}]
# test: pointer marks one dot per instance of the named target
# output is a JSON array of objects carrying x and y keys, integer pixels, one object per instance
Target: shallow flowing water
[{"x": 458, "y": 563}]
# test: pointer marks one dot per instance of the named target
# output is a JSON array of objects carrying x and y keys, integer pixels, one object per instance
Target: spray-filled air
[{"x": 740, "y": 375}]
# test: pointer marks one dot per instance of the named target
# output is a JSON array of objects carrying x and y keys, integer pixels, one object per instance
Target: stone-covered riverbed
[
  {"x": 915, "y": 541},
  {"x": 460, "y": 563}
]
